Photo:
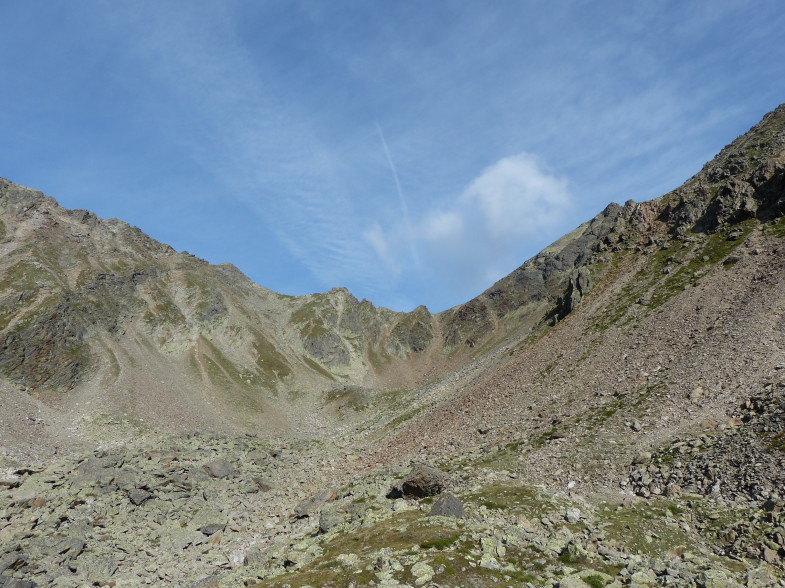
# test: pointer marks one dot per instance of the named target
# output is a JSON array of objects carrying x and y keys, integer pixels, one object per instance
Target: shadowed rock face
[{"x": 49, "y": 350}]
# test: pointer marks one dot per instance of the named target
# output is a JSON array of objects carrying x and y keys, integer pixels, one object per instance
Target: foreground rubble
[{"x": 211, "y": 510}]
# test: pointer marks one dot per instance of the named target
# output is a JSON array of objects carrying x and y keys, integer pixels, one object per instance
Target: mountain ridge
[
  {"x": 608, "y": 414},
  {"x": 181, "y": 303}
]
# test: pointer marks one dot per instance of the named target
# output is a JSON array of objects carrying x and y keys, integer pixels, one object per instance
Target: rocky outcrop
[
  {"x": 741, "y": 461},
  {"x": 424, "y": 480},
  {"x": 413, "y": 333},
  {"x": 578, "y": 285},
  {"x": 745, "y": 180},
  {"x": 46, "y": 349}
]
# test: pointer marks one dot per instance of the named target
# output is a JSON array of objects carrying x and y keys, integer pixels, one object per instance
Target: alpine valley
[{"x": 612, "y": 413}]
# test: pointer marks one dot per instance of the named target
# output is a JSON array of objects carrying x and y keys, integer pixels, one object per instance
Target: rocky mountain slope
[
  {"x": 93, "y": 311},
  {"x": 608, "y": 414}
]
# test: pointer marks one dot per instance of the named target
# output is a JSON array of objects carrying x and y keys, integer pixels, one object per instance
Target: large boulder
[
  {"x": 446, "y": 505},
  {"x": 424, "y": 480}
]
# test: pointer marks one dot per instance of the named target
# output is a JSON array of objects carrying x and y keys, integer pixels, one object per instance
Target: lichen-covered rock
[
  {"x": 330, "y": 518},
  {"x": 139, "y": 496},
  {"x": 219, "y": 468},
  {"x": 313, "y": 505}
]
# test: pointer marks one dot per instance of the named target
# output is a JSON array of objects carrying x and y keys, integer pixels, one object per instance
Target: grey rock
[
  {"x": 314, "y": 504},
  {"x": 447, "y": 505},
  {"x": 422, "y": 572},
  {"x": 573, "y": 515},
  {"x": 98, "y": 569},
  {"x": 211, "y": 529},
  {"x": 578, "y": 285},
  {"x": 12, "y": 561},
  {"x": 423, "y": 481},
  {"x": 95, "y": 471},
  {"x": 139, "y": 496},
  {"x": 697, "y": 394},
  {"x": 263, "y": 484},
  {"x": 770, "y": 555},
  {"x": 259, "y": 458},
  {"x": 219, "y": 468},
  {"x": 573, "y": 552},
  {"x": 8, "y": 582},
  {"x": 672, "y": 490},
  {"x": 328, "y": 519},
  {"x": 213, "y": 581},
  {"x": 71, "y": 547}
]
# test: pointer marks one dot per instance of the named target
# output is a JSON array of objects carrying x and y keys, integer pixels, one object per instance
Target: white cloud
[
  {"x": 443, "y": 226},
  {"x": 516, "y": 196},
  {"x": 380, "y": 244},
  {"x": 513, "y": 207}
]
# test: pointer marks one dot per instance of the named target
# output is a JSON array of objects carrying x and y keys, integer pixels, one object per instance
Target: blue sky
[{"x": 413, "y": 152}]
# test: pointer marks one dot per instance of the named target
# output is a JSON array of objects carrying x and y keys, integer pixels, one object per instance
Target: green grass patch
[
  {"x": 317, "y": 368},
  {"x": 776, "y": 442},
  {"x": 377, "y": 360},
  {"x": 166, "y": 311},
  {"x": 351, "y": 398},
  {"x": 491, "y": 505},
  {"x": 669, "y": 271},
  {"x": 394, "y": 423},
  {"x": 271, "y": 364},
  {"x": 594, "y": 581},
  {"x": 541, "y": 439},
  {"x": 440, "y": 543},
  {"x": 716, "y": 249},
  {"x": 644, "y": 279},
  {"x": 646, "y": 527},
  {"x": 776, "y": 228},
  {"x": 530, "y": 501},
  {"x": 27, "y": 274},
  {"x": 310, "y": 318}
]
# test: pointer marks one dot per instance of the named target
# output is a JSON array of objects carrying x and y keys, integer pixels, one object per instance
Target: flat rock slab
[
  {"x": 8, "y": 582},
  {"x": 96, "y": 471},
  {"x": 314, "y": 504},
  {"x": 212, "y": 529},
  {"x": 219, "y": 468},
  {"x": 139, "y": 496}
]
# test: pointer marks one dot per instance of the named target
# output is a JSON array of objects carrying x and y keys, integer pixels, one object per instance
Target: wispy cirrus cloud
[
  {"x": 388, "y": 148},
  {"x": 480, "y": 235},
  {"x": 236, "y": 120}
]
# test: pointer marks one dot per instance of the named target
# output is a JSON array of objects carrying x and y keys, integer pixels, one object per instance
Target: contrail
[{"x": 401, "y": 198}]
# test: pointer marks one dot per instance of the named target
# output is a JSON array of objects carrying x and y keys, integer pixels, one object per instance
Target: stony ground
[{"x": 211, "y": 510}]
